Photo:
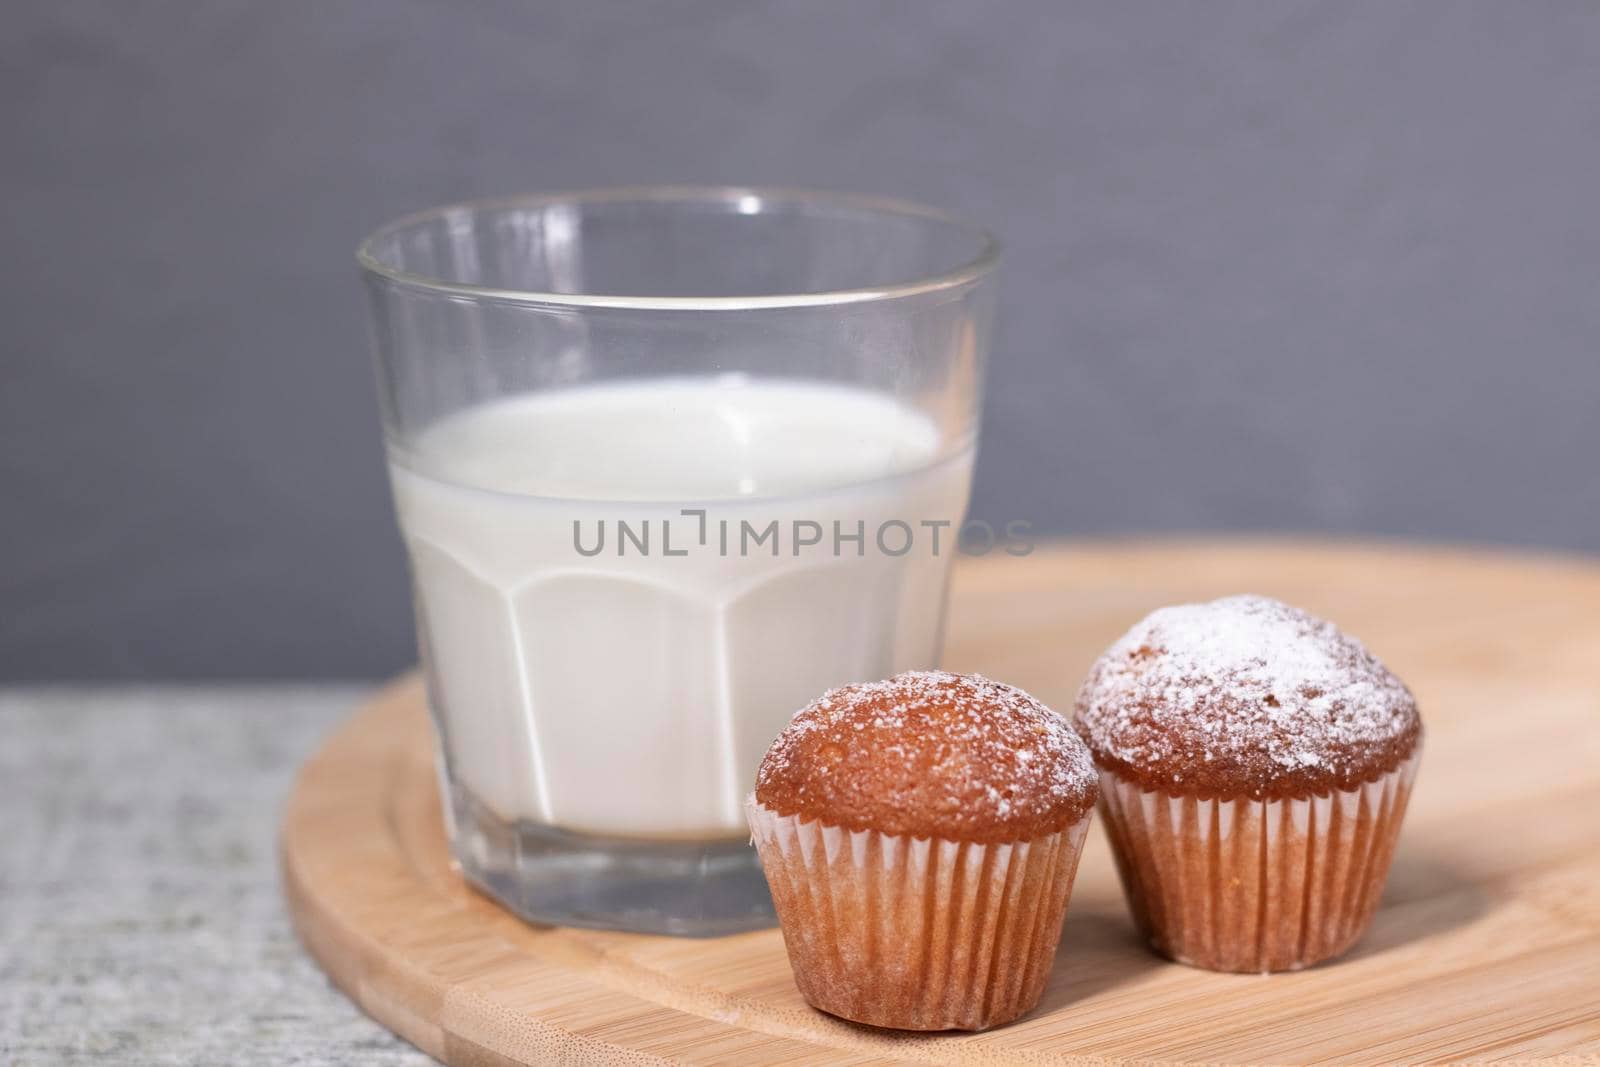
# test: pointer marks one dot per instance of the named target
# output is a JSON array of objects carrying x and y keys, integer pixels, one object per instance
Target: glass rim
[{"x": 974, "y": 268}]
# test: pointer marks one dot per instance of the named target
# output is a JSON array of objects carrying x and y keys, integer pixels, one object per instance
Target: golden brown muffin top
[
  {"x": 931, "y": 754},
  {"x": 1245, "y": 697}
]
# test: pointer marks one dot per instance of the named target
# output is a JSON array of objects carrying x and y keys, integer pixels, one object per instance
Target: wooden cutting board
[{"x": 1487, "y": 945}]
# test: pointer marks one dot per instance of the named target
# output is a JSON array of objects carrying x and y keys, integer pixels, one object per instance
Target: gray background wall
[{"x": 1306, "y": 266}]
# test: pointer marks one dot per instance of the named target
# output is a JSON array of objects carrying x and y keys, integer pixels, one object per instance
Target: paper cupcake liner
[
  {"x": 1250, "y": 885},
  {"x": 916, "y": 933}
]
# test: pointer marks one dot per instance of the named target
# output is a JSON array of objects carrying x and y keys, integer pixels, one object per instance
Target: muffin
[
  {"x": 1255, "y": 763},
  {"x": 920, "y": 837}
]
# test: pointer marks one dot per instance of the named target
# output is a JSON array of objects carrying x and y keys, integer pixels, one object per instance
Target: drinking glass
[{"x": 668, "y": 463}]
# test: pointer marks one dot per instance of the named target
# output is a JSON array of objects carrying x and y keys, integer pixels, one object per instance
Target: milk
[{"x": 629, "y": 686}]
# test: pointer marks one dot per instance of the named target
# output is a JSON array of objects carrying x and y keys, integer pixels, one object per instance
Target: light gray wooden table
[{"x": 140, "y": 916}]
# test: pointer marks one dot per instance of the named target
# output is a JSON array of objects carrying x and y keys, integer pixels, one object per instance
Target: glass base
[{"x": 547, "y": 875}]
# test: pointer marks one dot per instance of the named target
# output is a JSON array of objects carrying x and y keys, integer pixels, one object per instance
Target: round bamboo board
[{"x": 1487, "y": 945}]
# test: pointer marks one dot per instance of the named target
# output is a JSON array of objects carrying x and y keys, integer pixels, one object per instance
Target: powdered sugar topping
[
  {"x": 1244, "y": 694},
  {"x": 930, "y": 752}
]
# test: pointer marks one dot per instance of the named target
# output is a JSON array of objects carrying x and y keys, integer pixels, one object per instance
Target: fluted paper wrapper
[
  {"x": 916, "y": 933},
  {"x": 1251, "y": 885}
]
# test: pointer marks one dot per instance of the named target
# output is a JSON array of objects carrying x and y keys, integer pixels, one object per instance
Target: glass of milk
[{"x": 668, "y": 464}]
